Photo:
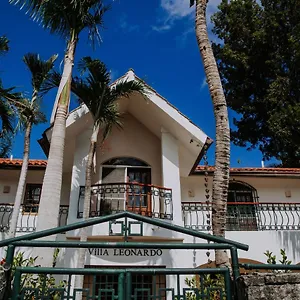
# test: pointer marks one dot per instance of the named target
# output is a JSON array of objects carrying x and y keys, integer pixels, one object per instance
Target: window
[
  {"x": 241, "y": 208},
  {"x": 32, "y": 198},
  {"x": 125, "y": 185},
  {"x": 143, "y": 286}
]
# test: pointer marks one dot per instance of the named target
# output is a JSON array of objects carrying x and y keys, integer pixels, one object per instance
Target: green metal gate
[
  {"x": 124, "y": 287},
  {"x": 124, "y": 283}
]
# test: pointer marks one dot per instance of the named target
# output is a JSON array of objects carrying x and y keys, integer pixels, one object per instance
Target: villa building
[{"x": 151, "y": 168}]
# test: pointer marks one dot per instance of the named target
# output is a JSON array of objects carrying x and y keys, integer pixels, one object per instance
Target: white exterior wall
[
  {"x": 11, "y": 178},
  {"x": 270, "y": 189},
  {"x": 171, "y": 173},
  {"x": 134, "y": 140}
]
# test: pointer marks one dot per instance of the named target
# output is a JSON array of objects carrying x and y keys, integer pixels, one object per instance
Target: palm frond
[
  {"x": 7, "y": 118},
  {"x": 94, "y": 90},
  {"x": 65, "y": 17},
  {"x": 125, "y": 88},
  {"x": 96, "y": 69},
  {"x": 4, "y": 47},
  {"x": 6, "y": 143},
  {"x": 32, "y": 7},
  {"x": 52, "y": 81},
  {"x": 39, "y": 69},
  {"x": 7, "y": 113}
]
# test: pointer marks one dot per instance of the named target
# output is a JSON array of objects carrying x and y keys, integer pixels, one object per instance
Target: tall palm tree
[
  {"x": 100, "y": 98},
  {"x": 222, "y": 157},
  {"x": 67, "y": 19},
  {"x": 40, "y": 72}
]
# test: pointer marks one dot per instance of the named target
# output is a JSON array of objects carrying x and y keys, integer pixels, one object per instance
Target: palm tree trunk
[
  {"x": 51, "y": 192},
  {"x": 222, "y": 159},
  {"x": 21, "y": 184},
  {"x": 86, "y": 204}
]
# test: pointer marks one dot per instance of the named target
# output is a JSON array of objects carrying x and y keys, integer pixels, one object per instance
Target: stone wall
[{"x": 269, "y": 286}]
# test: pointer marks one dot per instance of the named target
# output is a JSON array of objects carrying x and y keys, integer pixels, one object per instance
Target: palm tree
[
  {"x": 222, "y": 157},
  {"x": 29, "y": 112},
  {"x": 95, "y": 92},
  {"x": 67, "y": 19}
]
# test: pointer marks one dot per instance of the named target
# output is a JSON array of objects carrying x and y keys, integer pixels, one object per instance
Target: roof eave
[{"x": 205, "y": 147}]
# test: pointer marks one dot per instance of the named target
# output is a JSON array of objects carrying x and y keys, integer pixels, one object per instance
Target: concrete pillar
[
  {"x": 170, "y": 170},
  {"x": 78, "y": 173}
]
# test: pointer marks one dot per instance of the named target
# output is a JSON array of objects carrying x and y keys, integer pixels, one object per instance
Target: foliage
[
  {"x": 271, "y": 258},
  {"x": 212, "y": 284},
  {"x": 7, "y": 112},
  {"x": 31, "y": 284},
  {"x": 4, "y": 45},
  {"x": 258, "y": 55},
  {"x": 96, "y": 93},
  {"x": 66, "y": 17},
  {"x": 6, "y": 141}
]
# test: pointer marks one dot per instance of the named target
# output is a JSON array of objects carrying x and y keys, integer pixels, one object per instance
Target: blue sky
[{"x": 156, "y": 38}]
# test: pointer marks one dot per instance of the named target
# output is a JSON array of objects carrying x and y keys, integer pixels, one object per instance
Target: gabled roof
[
  {"x": 155, "y": 107},
  {"x": 248, "y": 171}
]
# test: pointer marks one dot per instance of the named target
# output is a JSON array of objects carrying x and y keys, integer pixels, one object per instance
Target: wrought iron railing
[
  {"x": 147, "y": 200},
  {"x": 28, "y": 217},
  {"x": 245, "y": 216}
]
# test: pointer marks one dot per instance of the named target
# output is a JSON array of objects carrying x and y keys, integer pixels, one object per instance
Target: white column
[
  {"x": 78, "y": 173},
  {"x": 170, "y": 170}
]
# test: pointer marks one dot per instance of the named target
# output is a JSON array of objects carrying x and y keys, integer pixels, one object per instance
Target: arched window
[
  {"x": 125, "y": 161},
  {"x": 125, "y": 170},
  {"x": 241, "y": 207},
  {"x": 241, "y": 192},
  {"x": 131, "y": 175}
]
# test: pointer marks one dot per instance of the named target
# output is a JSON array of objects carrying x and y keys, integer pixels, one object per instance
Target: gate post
[
  {"x": 128, "y": 285},
  {"x": 121, "y": 286},
  {"x": 235, "y": 269},
  {"x": 8, "y": 266},
  {"x": 17, "y": 284}
]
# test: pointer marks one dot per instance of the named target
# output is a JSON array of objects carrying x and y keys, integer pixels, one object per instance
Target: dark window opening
[
  {"x": 241, "y": 208},
  {"x": 143, "y": 286},
  {"x": 32, "y": 198}
]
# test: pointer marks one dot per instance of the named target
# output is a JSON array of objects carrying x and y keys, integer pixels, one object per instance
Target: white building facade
[{"x": 150, "y": 168}]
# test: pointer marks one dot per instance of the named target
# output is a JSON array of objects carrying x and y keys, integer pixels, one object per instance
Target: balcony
[
  {"x": 147, "y": 200},
  {"x": 245, "y": 216},
  {"x": 28, "y": 217}
]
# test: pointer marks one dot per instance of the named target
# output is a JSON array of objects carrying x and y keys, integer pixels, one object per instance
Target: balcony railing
[
  {"x": 243, "y": 216},
  {"x": 28, "y": 217},
  {"x": 147, "y": 200}
]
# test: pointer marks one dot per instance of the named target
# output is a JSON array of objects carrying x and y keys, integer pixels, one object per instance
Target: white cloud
[
  {"x": 174, "y": 10},
  {"x": 126, "y": 26},
  {"x": 161, "y": 28}
]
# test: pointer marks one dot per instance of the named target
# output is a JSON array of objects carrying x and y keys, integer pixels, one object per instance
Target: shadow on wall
[{"x": 290, "y": 241}]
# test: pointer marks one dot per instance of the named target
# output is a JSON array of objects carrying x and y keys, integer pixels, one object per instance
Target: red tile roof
[
  {"x": 255, "y": 171},
  {"x": 17, "y": 163}
]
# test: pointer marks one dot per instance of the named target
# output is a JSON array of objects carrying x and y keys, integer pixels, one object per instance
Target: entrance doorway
[{"x": 142, "y": 286}]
